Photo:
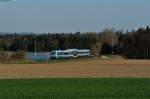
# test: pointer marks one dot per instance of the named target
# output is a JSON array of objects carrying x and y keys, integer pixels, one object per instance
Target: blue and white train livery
[{"x": 69, "y": 53}]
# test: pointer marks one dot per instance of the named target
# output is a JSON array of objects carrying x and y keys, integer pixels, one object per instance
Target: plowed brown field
[{"x": 78, "y": 69}]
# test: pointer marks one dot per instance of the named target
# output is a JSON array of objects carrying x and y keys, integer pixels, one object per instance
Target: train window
[
  {"x": 60, "y": 53},
  {"x": 67, "y": 53}
]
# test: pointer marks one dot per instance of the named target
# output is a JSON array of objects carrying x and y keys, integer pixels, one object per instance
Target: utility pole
[
  {"x": 134, "y": 57},
  {"x": 26, "y": 43},
  {"x": 112, "y": 44},
  {"x": 35, "y": 49}
]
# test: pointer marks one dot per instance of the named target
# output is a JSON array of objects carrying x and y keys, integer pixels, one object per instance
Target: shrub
[
  {"x": 1, "y": 49},
  {"x": 95, "y": 49},
  {"x": 19, "y": 56},
  {"x": 4, "y": 57}
]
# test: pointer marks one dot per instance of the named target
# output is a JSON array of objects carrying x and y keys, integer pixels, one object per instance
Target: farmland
[
  {"x": 88, "y": 68},
  {"x": 75, "y": 88},
  {"x": 79, "y": 79}
]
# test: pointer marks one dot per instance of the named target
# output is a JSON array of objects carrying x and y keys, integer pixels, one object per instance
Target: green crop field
[{"x": 66, "y": 88}]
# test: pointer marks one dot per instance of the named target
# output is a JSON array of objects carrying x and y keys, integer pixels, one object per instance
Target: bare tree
[{"x": 109, "y": 36}]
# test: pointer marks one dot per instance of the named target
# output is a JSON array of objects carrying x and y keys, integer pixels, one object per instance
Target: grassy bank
[
  {"x": 54, "y": 61},
  {"x": 59, "y": 88}
]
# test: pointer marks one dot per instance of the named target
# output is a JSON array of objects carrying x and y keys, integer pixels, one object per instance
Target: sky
[{"x": 43, "y": 16}]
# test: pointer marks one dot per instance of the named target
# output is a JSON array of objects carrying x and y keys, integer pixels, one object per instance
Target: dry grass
[{"x": 78, "y": 69}]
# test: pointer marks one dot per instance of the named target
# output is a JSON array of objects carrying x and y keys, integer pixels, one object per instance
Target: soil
[{"x": 78, "y": 69}]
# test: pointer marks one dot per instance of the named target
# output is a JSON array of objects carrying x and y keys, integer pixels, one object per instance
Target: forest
[{"x": 132, "y": 45}]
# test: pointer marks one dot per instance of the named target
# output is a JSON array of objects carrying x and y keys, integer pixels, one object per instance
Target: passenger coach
[{"x": 69, "y": 53}]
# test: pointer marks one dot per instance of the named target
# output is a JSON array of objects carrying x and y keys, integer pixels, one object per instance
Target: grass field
[{"x": 75, "y": 88}]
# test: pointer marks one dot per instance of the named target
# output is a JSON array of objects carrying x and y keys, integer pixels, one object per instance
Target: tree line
[{"x": 132, "y": 45}]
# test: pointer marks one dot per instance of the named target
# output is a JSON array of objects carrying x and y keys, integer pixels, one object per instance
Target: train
[{"x": 69, "y": 53}]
